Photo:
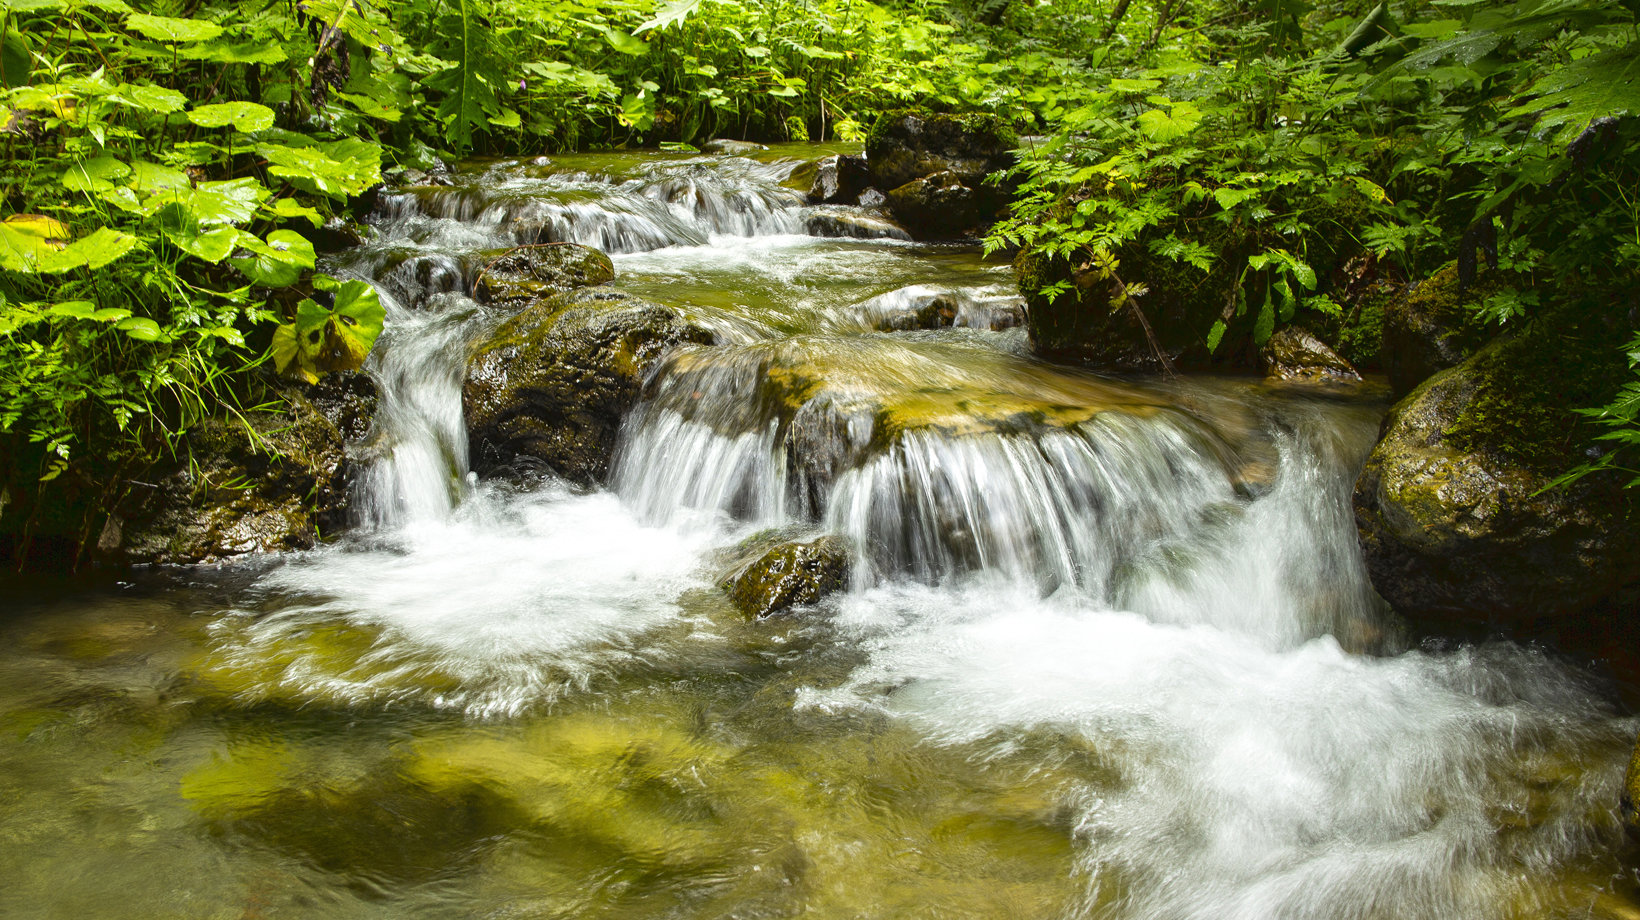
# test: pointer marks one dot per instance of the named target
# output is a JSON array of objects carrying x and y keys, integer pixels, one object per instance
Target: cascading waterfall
[{"x": 1109, "y": 650}]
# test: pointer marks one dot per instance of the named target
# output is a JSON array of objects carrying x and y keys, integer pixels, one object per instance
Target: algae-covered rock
[
  {"x": 1433, "y": 326},
  {"x": 773, "y": 579},
  {"x": 554, "y": 382},
  {"x": 938, "y": 207},
  {"x": 272, "y": 482},
  {"x": 512, "y": 278},
  {"x": 724, "y": 146},
  {"x": 852, "y": 225},
  {"x": 908, "y": 145},
  {"x": 1294, "y": 354},
  {"x": 1453, "y": 505}
]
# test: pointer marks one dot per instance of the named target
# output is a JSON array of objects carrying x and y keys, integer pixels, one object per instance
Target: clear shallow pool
[{"x": 1110, "y": 651}]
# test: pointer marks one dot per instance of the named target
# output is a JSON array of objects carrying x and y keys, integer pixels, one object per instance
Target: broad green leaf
[
  {"x": 1215, "y": 335},
  {"x": 370, "y": 107},
  {"x": 1265, "y": 325},
  {"x": 279, "y": 262},
  {"x": 152, "y": 177},
  {"x": 291, "y": 209},
  {"x": 223, "y": 51},
  {"x": 1180, "y": 119},
  {"x": 289, "y": 356},
  {"x": 231, "y": 202},
  {"x": 338, "y": 169},
  {"x": 73, "y": 309},
  {"x": 213, "y": 245},
  {"x": 145, "y": 98},
  {"x": 1371, "y": 189},
  {"x": 16, "y": 58},
  {"x": 358, "y": 320},
  {"x": 243, "y": 116},
  {"x": 1133, "y": 86},
  {"x": 167, "y": 29},
  {"x": 507, "y": 119},
  {"x": 143, "y": 329},
  {"x": 1436, "y": 30},
  {"x": 94, "y": 175},
  {"x": 623, "y": 42},
  {"x": 25, "y": 238},
  {"x": 94, "y": 251}
]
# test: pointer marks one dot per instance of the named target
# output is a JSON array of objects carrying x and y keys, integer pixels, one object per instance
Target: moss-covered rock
[
  {"x": 1294, "y": 354},
  {"x": 772, "y": 578},
  {"x": 851, "y": 224},
  {"x": 554, "y": 382},
  {"x": 513, "y": 278},
  {"x": 908, "y": 145},
  {"x": 939, "y": 207},
  {"x": 274, "y": 482},
  {"x": 1433, "y": 325},
  {"x": 1453, "y": 506}
]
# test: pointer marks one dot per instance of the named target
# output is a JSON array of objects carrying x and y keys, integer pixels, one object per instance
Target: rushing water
[{"x": 1109, "y": 650}]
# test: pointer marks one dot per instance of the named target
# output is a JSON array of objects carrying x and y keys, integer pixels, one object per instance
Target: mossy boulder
[
  {"x": 1454, "y": 508},
  {"x": 1433, "y": 325},
  {"x": 514, "y": 278},
  {"x": 773, "y": 577},
  {"x": 908, "y": 145},
  {"x": 274, "y": 482},
  {"x": 1293, "y": 354},
  {"x": 851, "y": 224},
  {"x": 940, "y": 207},
  {"x": 554, "y": 382}
]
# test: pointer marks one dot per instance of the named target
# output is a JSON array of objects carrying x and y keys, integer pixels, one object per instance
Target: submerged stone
[
  {"x": 774, "y": 579},
  {"x": 513, "y": 278},
  {"x": 724, "y": 146},
  {"x": 554, "y": 382}
]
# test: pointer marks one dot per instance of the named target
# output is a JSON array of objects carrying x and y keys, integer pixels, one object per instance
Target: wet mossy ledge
[{"x": 552, "y": 384}]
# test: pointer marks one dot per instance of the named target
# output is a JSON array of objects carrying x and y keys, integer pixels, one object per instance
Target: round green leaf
[
  {"x": 94, "y": 175},
  {"x": 142, "y": 329},
  {"x": 243, "y": 116},
  {"x": 277, "y": 262}
]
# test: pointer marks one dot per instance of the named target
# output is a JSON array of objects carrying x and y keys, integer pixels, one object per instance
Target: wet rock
[
  {"x": 724, "y": 146},
  {"x": 922, "y": 306},
  {"x": 1294, "y": 354},
  {"x": 280, "y": 486},
  {"x": 938, "y": 207},
  {"x": 1630, "y": 802},
  {"x": 852, "y": 225},
  {"x": 909, "y": 145},
  {"x": 554, "y": 382},
  {"x": 788, "y": 574},
  {"x": 1433, "y": 326},
  {"x": 335, "y": 235},
  {"x": 1453, "y": 506},
  {"x": 837, "y": 179},
  {"x": 872, "y": 198},
  {"x": 514, "y": 278}
]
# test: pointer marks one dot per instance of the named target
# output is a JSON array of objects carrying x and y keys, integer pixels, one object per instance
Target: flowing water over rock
[{"x": 1109, "y": 650}]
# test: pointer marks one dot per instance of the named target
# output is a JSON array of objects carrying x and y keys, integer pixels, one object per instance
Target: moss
[
  {"x": 1361, "y": 336},
  {"x": 1531, "y": 385}
]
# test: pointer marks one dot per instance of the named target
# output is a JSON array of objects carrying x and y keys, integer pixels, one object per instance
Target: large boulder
[
  {"x": 1454, "y": 506},
  {"x": 266, "y": 482},
  {"x": 774, "y": 576},
  {"x": 908, "y": 145},
  {"x": 554, "y": 382},
  {"x": 514, "y": 278},
  {"x": 934, "y": 167},
  {"x": 938, "y": 207}
]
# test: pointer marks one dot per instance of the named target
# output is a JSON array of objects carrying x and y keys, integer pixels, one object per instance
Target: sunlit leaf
[
  {"x": 278, "y": 262},
  {"x": 143, "y": 329},
  {"x": 94, "y": 175},
  {"x": 167, "y": 29},
  {"x": 243, "y": 116},
  {"x": 672, "y": 13}
]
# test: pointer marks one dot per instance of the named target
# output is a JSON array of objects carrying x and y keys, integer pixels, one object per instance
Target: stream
[{"x": 1108, "y": 649}]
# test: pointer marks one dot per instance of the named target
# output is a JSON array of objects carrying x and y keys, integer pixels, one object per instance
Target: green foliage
[{"x": 335, "y": 338}]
